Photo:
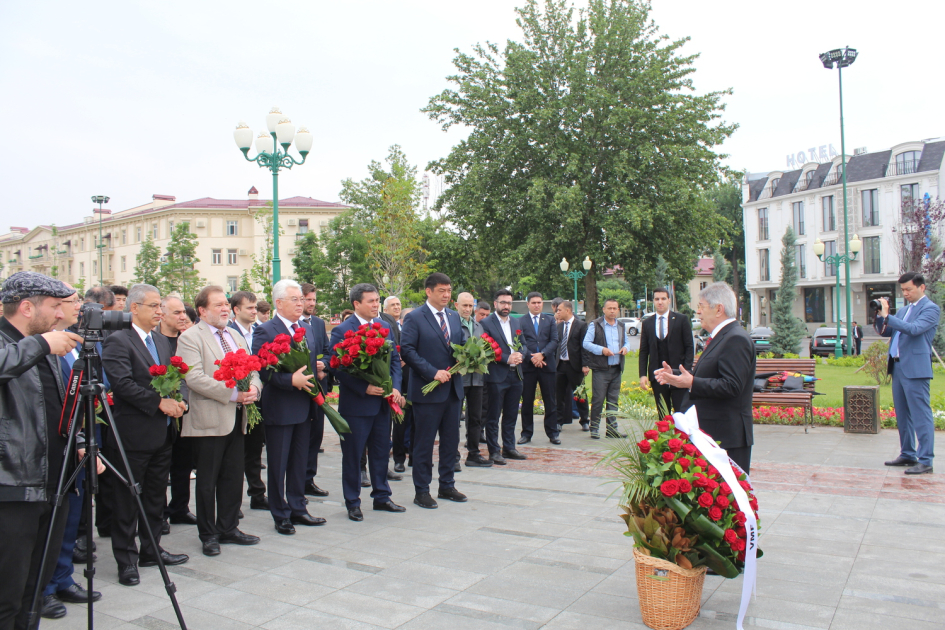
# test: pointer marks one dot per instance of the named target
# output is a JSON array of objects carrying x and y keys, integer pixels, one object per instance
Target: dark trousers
[
  {"x": 564, "y": 395},
  {"x": 741, "y": 456},
  {"x": 219, "y": 486},
  {"x": 534, "y": 379},
  {"x": 287, "y": 457},
  {"x": 108, "y": 486},
  {"x": 371, "y": 433},
  {"x": 428, "y": 420},
  {"x": 858, "y": 343},
  {"x": 401, "y": 432},
  {"x": 671, "y": 398},
  {"x": 316, "y": 434},
  {"x": 182, "y": 463},
  {"x": 473, "y": 417},
  {"x": 151, "y": 470},
  {"x": 62, "y": 574},
  {"x": 605, "y": 385},
  {"x": 23, "y": 529},
  {"x": 503, "y": 400},
  {"x": 252, "y": 460}
]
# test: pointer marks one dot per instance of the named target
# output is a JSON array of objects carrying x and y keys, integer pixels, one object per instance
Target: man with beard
[{"x": 473, "y": 384}]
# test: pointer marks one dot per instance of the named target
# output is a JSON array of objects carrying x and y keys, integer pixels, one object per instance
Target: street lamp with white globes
[
  {"x": 268, "y": 155},
  {"x": 837, "y": 260},
  {"x": 577, "y": 273}
]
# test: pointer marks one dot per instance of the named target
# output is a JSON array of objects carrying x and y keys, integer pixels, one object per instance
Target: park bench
[{"x": 804, "y": 399}]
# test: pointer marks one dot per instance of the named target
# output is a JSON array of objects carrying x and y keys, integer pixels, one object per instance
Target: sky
[{"x": 131, "y": 98}]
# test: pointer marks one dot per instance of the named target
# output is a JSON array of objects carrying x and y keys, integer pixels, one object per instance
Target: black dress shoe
[
  {"x": 392, "y": 476},
  {"x": 169, "y": 559},
  {"x": 457, "y": 467},
  {"x": 452, "y": 494},
  {"x": 365, "y": 482},
  {"x": 165, "y": 528},
  {"x": 188, "y": 518},
  {"x": 399, "y": 467},
  {"x": 80, "y": 557},
  {"x": 80, "y": 544},
  {"x": 354, "y": 514},
  {"x": 902, "y": 461},
  {"x": 75, "y": 594},
  {"x": 52, "y": 608},
  {"x": 477, "y": 460},
  {"x": 513, "y": 454},
  {"x": 555, "y": 440},
  {"x": 524, "y": 439},
  {"x": 389, "y": 506},
  {"x": 259, "y": 503},
  {"x": 919, "y": 469},
  {"x": 263, "y": 466},
  {"x": 482, "y": 438},
  {"x": 424, "y": 500},
  {"x": 128, "y": 575},
  {"x": 285, "y": 527},
  {"x": 410, "y": 461},
  {"x": 211, "y": 547},
  {"x": 585, "y": 426},
  {"x": 239, "y": 514},
  {"x": 315, "y": 491},
  {"x": 238, "y": 538},
  {"x": 306, "y": 519},
  {"x": 104, "y": 533},
  {"x": 497, "y": 459}
]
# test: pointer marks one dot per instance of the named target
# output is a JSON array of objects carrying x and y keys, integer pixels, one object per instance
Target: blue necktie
[
  {"x": 157, "y": 361},
  {"x": 894, "y": 344}
]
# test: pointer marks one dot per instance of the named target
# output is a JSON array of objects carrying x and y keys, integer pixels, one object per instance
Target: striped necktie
[{"x": 446, "y": 332}]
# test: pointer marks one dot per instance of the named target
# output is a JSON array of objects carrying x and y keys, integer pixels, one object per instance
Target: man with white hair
[{"x": 720, "y": 386}]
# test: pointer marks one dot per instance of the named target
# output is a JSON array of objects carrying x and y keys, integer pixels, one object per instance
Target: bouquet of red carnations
[
  {"x": 366, "y": 354},
  {"x": 289, "y": 354},
  {"x": 472, "y": 357},
  {"x": 236, "y": 370}
]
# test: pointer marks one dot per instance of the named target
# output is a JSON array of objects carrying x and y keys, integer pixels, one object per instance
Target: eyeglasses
[
  {"x": 293, "y": 300},
  {"x": 151, "y": 306}
]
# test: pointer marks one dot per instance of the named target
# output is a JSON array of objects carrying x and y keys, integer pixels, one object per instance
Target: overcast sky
[{"x": 131, "y": 98}]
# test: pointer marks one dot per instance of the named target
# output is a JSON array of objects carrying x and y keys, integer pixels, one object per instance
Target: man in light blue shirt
[{"x": 606, "y": 339}]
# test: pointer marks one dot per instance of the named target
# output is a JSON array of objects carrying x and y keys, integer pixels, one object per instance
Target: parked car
[
  {"x": 631, "y": 325},
  {"x": 761, "y": 339},
  {"x": 824, "y": 342},
  {"x": 696, "y": 323}
]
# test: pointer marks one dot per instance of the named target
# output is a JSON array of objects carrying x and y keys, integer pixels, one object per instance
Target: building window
[
  {"x": 170, "y": 227},
  {"x": 798, "y": 207},
  {"x": 703, "y": 285},
  {"x": 814, "y": 305},
  {"x": 762, "y": 224},
  {"x": 907, "y": 162},
  {"x": 774, "y": 184},
  {"x": 124, "y": 237},
  {"x": 82, "y": 244},
  {"x": 81, "y": 269},
  {"x": 908, "y": 193},
  {"x": 871, "y": 255},
  {"x": 764, "y": 272},
  {"x": 138, "y": 235},
  {"x": 232, "y": 228},
  {"x": 800, "y": 260},
  {"x": 216, "y": 256},
  {"x": 231, "y": 256},
  {"x": 871, "y": 207},
  {"x": 124, "y": 263},
  {"x": 231, "y": 282},
  {"x": 154, "y": 231},
  {"x": 94, "y": 267},
  {"x": 303, "y": 226},
  {"x": 830, "y": 249},
  {"x": 109, "y": 263},
  {"x": 70, "y": 268},
  {"x": 830, "y": 215}
]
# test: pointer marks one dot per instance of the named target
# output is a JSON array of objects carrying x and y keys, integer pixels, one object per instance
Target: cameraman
[
  {"x": 29, "y": 436},
  {"x": 910, "y": 363}
]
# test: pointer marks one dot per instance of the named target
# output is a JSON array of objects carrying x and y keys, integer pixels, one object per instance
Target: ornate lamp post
[
  {"x": 100, "y": 199},
  {"x": 269, "y": 155},
  {"x": 837, "y": 260},
  {"x": 843, "y": 57},
  {"x": 576, "y": 274}
]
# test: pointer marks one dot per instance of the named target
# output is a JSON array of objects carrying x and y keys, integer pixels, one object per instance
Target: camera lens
[
  {"x": 116, "y": 320},
  {"x": 876, "y": 305}
]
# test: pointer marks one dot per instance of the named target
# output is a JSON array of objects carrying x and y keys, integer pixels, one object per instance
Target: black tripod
[{"x": 85, "y": 382}]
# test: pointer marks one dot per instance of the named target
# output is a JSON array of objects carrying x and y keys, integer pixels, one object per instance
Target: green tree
[
  {"x": 585, "y": 138},
  {"x": 471, "y": 267},
  {"x": 721, "y": 269},
  {"x": 178, "y": 271},
  {"x": 261, "y": 269},
  {"x": 788, "y": 329},
  {"x": 245, "y": 284},
  {"x": 148, "y": 263},
  {"x": 386, "y": 203},
  {"x": 726, "y": 197},
  {"x": 80, "y": 286}
]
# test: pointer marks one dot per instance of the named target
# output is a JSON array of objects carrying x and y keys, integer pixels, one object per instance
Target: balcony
[
  {"x": 767, "y": 193},
  {"x": 902, "y": 167},
  {"x": 803, "y": 184},
  {"x": 833, "y": 179}
]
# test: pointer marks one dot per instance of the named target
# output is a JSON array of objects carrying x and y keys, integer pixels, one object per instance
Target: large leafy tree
[
  {"x": 726, "y": 197},
  {"x": 178, "y": 271},
  {"x": 586, "y": 138},
  {"x": 148, "y": 263}
]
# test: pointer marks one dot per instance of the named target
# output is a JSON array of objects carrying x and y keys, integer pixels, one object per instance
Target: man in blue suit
[
  {"x": 541, "y": 339},
  {"x": 425, "y": 346},
  {"x": 318, "y": 344},
  {"x": 504, "y": 380},
  {"x": 367, "y": 412},
  {"x": 286, "y": 407},
  {"x": 910, "y": 363}
]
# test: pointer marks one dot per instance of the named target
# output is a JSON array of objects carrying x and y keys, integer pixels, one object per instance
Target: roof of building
[
  {"x": 932, "y": 154},
  {"x": 867, "y": 166},
  {"x": 787, "y": 183},
  {"x": 705, "y": 267}
]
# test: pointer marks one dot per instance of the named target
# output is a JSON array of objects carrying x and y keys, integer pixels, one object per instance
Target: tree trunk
[{"x": 591, "y": 307}]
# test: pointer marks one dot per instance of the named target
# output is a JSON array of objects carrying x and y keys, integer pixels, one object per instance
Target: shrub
[
  {"x": 846, "y": 361},
  {"x": 876, "y": 359}
]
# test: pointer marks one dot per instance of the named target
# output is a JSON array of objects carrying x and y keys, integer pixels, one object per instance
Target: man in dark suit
[
  {"x": 504, "y": 380},
  {"x": 720, "y": 386},
  {"x": 318, "y": 345},
  {"x": 541, "y": 339},
  {"x": 146, "y": 424},
  {"x": 367, "y": 412},
  {"x": 286, "y": 407},
  {"x": 400, "y": 430},
  {"x": 425, "y": 346},
  {"x": 665, "y": 337},
  {"x": 857, "y": 338},
  {"x": 571, "y": 369}
]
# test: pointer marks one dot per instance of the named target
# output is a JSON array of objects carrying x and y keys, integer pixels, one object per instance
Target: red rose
[
  {"x": 371, "y": 351},
  {"x": 111, "y": 399},
  {"x": 346, "y": 360},
  {"x": 498, "y": 355},
  {"x": 299, "y": 335},
  {"x": 699, "y": 481},
  {"x": 161, "y": 370},
  {"x": 685, "y": 486},
  {"x": 740, "y": 544},
  {"x": 333, "y": 362},
  {"x": 353, "y": 352},
  {"x": 285, "y": 348},
  {"x": 706, "y": 500},
  {"x": 669, "y": 487},
  {"x": 722, "y": 501},
  {"x": 730, "y": 536},
  {"x": 176, "y": 361},
  {"x": 726, "y": 489},
  {"x": 713, "y": 471},
  {"x": 576, "y": 399},
  {"x": 371, "y": 333},
  {"x": 684, "y": 462},
  {"x": 715, "y": 513},
  {"x": 741, "y": 556},
  {"x": 398, "y": 348},
  {"x": 582, "y": 401},
  {"x": 668, "y": 418},
  {"x": 280, "y": 339},
  {"x": 153, "y": 370},
  {"x": 674, "y": 445},
  {"x": 349, "y": 334},
  {"x": 740, "y": 518},
  {"x": 689, "y": 449},
  {"x": 485, "y": 336},
  {"x": 662, "y": 426},
  {"x": 712, "y": 484},
  {"x": 740, "y": 532},
  {"x": 701, "y": 463},
  {"x": 668, "y": 457},
  {"x": 362, "y": 328},
  {"x": 643, "y": 445},
  {"x": 753, "y": 502},
  {"x": 518, "y": 332},
  {"x": 651, "y": 435},
  {"x": 183, "y": 369},
  {"x": 745, "y": 485},
  {"x": 383, "y": 332},
  {"x": 377, "y": 325},
  {"x": 338, "y": 345}
]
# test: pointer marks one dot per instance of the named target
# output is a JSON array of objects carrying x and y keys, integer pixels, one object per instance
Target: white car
[{"x": 631, "y": 325}]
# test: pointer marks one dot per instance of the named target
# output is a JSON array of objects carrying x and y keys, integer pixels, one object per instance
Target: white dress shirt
[
  {"x": 566, "y": 332},
  {"x": 664, "y": 320},
  {"x": 247, "y": 334},
  {"x": 287, "y": 323},
  {"x": 436, "y": 317},
  {"x": 506, "y": 325},
  {"x": 718, "y": 328}
]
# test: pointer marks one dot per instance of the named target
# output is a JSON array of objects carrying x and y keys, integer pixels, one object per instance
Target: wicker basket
[{"x": 670, "y": 596}]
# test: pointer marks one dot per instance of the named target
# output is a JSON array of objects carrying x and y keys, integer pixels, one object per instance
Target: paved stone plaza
[{"x": 849, "y": 544}]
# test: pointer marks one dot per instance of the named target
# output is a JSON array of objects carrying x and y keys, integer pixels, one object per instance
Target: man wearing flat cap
[{"x": 29, "y": 440}]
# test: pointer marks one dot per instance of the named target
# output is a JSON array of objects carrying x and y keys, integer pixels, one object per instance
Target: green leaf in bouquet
[
  {"x": 717, "y": 562},
  {"x": 680, "y": 508},
  {"x": 679, "y": 470},
  {"x": 650, "y": 526},
  {"x": 706, "y": 527}
]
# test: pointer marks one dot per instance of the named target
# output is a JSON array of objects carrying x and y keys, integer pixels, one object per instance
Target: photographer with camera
[
  {"x": 29, "y": 439},
  {"x": 910, "y": 364}
]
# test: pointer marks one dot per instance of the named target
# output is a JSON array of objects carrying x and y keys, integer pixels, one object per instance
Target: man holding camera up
[
  {"x": 910, "y": 363},
  {"x": 30, "y": 439}
]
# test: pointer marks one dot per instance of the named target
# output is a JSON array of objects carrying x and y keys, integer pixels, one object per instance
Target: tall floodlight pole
[{"x": 100, "y": 199}]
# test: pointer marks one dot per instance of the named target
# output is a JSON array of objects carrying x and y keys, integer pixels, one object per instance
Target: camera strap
[{"x": 72, "y": 397}]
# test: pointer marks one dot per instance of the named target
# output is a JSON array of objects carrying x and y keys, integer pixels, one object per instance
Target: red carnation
[
  {"x": 674, "y": 445},
  {"x": 715, "y": 513},
  {"x": 668, "y": 457},
  {"x": 377, "y": 325},
  {"x": 669, "y": 487},
  {"x": 346, "y": 360},
  {"x": 371, "y": 350},
  {"x": 684, "y": 462},
  {"x": 299, "y": 335},
  {"x": 689, "y": 449},
  {"x": 643, "y": 445},
  {"x": 383, "y": 332},
  {"x": 685, "y": 486},
  {"x": 349, "y": 334},
  {"x": 651, "y": 435},
  {"x": 722, "y": 501},
  {"x": 362, "y": 328},
  {"x": 371, "y": 333},
  {"x": 662, "y": 426},
  {"x": 706, "y": 500},
  {"x": 230, "y": 383},
  {"x": 730, "y": 536},
  {"x": 333, "y": 362},
  {"x": 353, "y": 352},
  {"x": 176, "y": 361}
]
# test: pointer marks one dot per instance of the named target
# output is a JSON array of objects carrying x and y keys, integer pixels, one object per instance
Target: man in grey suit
[{"x": 910, "y": 363}]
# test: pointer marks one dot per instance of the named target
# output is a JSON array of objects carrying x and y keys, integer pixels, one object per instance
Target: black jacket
[
  {"x": 545, "y": 342},
  {"x": 678, "y": 338},
  {"x": 577, "y": 355}
]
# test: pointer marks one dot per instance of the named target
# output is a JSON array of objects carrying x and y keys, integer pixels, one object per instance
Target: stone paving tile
[
  {"x": 282, "y": 589},
  {"x": 308, "y": 619},
  {"x": 846, "y": 619},
  {"x": 456, "y": 579},
  {"x": 538, "y": 594},
  {"x": 239, "y": 605},
  {"x": 384, "y": 613},
  {"x": 776, "y": 610},
  {"x": 127, "y": 603},
  {"x": 402, "y": 591},
  {"x": 569, "y": 620},
  {"x": 462, "y": 620},
  {"x": 504, "y": 607},
  {"x": 195, "y": 618},
  {"x": 906, "y": 607},
  {"x": 319, "y": 573}
]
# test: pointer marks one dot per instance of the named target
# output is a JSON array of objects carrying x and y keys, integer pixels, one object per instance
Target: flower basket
[{"x": 670, "y": 596}]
